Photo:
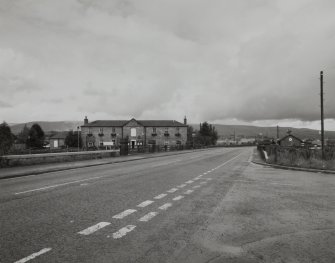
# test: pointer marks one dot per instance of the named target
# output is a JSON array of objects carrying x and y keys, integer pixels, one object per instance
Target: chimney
[
  {"x": 85, "y": 120},
  {"x": 185, "y": 120}
]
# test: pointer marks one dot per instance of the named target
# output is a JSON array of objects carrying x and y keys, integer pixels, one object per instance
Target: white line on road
[
  {"x": 94, "y": 228},
  {"x": 178, "y": 198},
  {"x": 196, "y": 186},
  {"x": 165, "y": 206},
  {"x": 188, "y": 192},
  {"x": 34, "y": 255},
  {"x": 160, "y": 196},
  {"x": 145, "y": 203},
  {"x": 123, "y": 231},
  {"x": 56, "y": 185},
  {"x": 172, "y": 190},
  {"x": 189, "y": 182},
  {"x": 181, "y": 186},
  {"x": 203, "y": 182},
  {"x": 148, "y": 217},
  {"x": 124, "y": 213}
]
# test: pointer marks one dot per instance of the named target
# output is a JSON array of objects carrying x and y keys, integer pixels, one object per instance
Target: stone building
[
  {"x": 109, "y": 133},
  {"x": 290, "y": 141}
]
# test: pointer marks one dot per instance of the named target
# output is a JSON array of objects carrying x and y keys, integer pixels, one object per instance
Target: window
[
  {"x": 113, "y": 141},
  {"x": 133, "y": 132},
  {"x": 166, "y": 130},
  {"x": 113, "y": 130},
  {"x": 101, "y": 130},
  {"x": 177, "y": 129},
  {"x": 101, "y": 143},
  {"x": 89, "y": 130},
  {"x": 90, "y": 144},
  {"x": 154, "y": 130}
]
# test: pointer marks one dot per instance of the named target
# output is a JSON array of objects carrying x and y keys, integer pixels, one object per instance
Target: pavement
[
  {"x": 209, "y": 206},
  {"x": 19, "y": 171}
]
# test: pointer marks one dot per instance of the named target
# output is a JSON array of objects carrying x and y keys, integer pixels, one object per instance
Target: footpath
[
  {"x": 20, "y": 171},
  {"x": 257, "y": 159}
]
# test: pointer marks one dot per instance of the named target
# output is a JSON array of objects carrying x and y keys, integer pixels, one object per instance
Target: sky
[{"x": 232, "y": 62}]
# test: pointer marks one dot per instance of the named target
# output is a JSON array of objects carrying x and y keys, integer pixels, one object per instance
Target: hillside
[
  {"x": 252, "y": 131},
  {"x": 48, "y": 125}
]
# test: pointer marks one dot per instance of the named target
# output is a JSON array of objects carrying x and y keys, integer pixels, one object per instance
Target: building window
[
  {"x": 89, "y": 130},
  {"x": 101, "y": 130},
  {"x": 113, "y": 130},
  {"x": 113, "y": 141},
  {"x": 177, "y": 129},
  {"x": 154, "y": 130},
  {"x": 90, "y": 144},
  {"x": 133, "y": 132},
  {"x": 101, "y": 143}
]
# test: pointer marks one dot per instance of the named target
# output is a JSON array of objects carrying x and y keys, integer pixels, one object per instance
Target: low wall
[{"x": 30, "y": 159}]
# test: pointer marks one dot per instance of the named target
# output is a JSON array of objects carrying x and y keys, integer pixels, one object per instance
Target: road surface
[{"x": 208, "y": 206}]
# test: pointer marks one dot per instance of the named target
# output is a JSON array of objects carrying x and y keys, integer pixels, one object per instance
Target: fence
[{"x": 299, "y": 156}]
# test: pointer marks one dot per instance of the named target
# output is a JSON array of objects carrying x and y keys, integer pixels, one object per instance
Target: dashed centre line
[
  {"x": 148, "y": 217},
  {"x": 196, "y": 186},
  {"x": 203, "y": 182},
  {"x": 172, "y": 190},
  {"x": 124, "y": 213},
  {"x": 94, "y": 228},
  {"x": 160, "y": 196},
  {"x": 165, "y": 206},
  {"x": 178, "y": 198},
  {"x": 188, "y": 192},
  {"x": 123, "y": 231},
  {"x": 181, "y": 186},
  {"x": 189, "y": 182},
  {"x": 34, "y": 255},
  {"x": 145, "y": 203}
]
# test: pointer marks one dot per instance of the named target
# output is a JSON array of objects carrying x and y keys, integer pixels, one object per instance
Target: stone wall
[{"x": 31, "y": 159}]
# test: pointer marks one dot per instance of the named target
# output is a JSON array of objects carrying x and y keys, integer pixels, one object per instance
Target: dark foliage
[
  {"x": 71, "y": 139},
  {"x": 6, "y": 138},
  {"x": 35, "y": 137}
]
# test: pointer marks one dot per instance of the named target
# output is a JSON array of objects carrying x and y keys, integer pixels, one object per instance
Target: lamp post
[
  {"x": 78, "y": 136},
  {"x": 193, "y": 135}
]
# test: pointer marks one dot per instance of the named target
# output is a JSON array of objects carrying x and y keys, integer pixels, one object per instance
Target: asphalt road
[{"x": 208, "y": 206}]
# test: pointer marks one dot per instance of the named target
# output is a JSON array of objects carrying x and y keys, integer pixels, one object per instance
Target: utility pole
[
  {"x": 322, "y": 117},
  {"x": 277, "y": 132}
]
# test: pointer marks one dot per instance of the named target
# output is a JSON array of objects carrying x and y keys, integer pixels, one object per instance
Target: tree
[
  {"x": 207, "y": 134},
  {"x": 71, "y": 139},
  {"x": 6, "y": 138},
  {"x": 22, "y": 137},
  {"x": 36, "y": 136}
]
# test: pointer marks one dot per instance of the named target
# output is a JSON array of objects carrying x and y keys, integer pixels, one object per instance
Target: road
[{"x": 207, "y": 206}]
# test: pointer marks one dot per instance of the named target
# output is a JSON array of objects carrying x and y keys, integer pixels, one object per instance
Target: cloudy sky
[{"x": 241, "y": 61}]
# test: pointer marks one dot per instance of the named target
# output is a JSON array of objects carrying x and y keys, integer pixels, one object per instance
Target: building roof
[
  {"x": 145, "y": 123},
  {"x": 60, "y": 135},
  {"x": 290, "y": 135}
]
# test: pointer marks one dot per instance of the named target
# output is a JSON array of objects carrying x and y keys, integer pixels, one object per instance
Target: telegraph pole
[{"x": 322, "y": 117}]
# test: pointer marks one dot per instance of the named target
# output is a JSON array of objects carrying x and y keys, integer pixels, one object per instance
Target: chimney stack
[
  {"x": 85, "y": 120},
  {"x": 185, "y": 120}
]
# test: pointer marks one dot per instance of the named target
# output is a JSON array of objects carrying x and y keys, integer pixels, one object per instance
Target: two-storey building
[{"x": 107, "y": 133}]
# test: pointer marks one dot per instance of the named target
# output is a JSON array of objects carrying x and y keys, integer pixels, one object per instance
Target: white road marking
[
  {"x": 203, "y": 182},
  {"x": 188, "y": 192},
  {"x": 160, "y": 196},
  {"x": 34, "y": 255},
  {"x": 124, "y": 213},
  {"x": 94, "y": 228},
  {"x": 145, "y": 203},
  {"x": 165, "y": 206},
  {"x": 196, "y": 186},
  {"x": 57, "y": 185},
  {"x": 181, "y": 186},
  {"x": 178, "y": 198},
  {"x": 172, "y": 190},
  {"x": 189, "y": 182},
  {"x": 123, "y": 231},
  {"x": 148, "y": 217},
  {"x": 83, "y": 184},
  {"x": 204, "y": 173}
]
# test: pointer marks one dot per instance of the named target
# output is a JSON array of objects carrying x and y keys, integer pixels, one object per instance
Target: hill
[
  {"x": 48, "y": 126},
  {"x": 226, "y": 131}
]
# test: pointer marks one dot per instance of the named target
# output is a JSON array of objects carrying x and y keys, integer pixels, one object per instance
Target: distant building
[
  {"x": 58, "y": 140},
  {"x": 105, "y": 133},
  {"x": 290, "y": 141}
]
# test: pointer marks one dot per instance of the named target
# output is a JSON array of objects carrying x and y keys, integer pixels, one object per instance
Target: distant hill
[
  {"x": 252, "y": 131},
  {"x": 222, "y": 129},
  {"x": 48, "y": 126}
]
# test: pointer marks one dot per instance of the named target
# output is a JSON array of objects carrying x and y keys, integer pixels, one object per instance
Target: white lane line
[
  {"x": 57, "y": 185},
  {"x": 124, "y": 213},
  {"x": 148, "y": 216},
  {"x": 200, "y": 175},
  {"x": 172, "y": 190},
  {"x": 123, "y": 231},
  {"x": 181, "y": 186},
  {"x": 178, "y": 198},
  {"x": 145, "y": 203},
  {"x": 34, "y": 255},
  {"x": 208, "y": 179},
  {"x": 165, "y": 206},
  {"x": 189, "y": 182},
  {"x": 160, "y": 196},
  {"x": 203, "y": 182},
  {"x": 196, "y": 179},
  {"x": 94, "y": 228},
  {"x": 196, "y": 186},
  {"x": 188, "y": 192},
  {"x": 83, "y": 184}
]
